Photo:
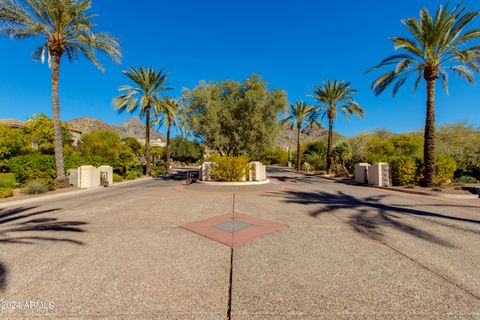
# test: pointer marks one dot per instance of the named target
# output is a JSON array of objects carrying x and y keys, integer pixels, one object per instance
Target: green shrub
[
  {"x": 404, "y": 170},
  {"x": 315, "y": 153},
  {"x": 35, "y": 187},
  {"x": 158, "y": 170},
  {"x": 6, "y": 193},
  {"x": 466, "y": 179},
  {"x": 72, "y": 162},
  {"x": 230, "y": 169},
  {"x": 278, "y": 156},
  {"x": 184, "y": 150},
  {"x": 31, "y": 167},
  {"x": 445, "y": 167},
  {"x": 132, "y": 175},
  {"x": 117, "y": 178},
  {"x": 7, "y": 180}
]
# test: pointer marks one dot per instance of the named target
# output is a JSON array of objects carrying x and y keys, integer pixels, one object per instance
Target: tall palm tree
[
  {"x": 436, "y": 45},
  {"x": 168, "y": 112},
  {"x": 66, "y": 28},
  {"x": 150, "y": 86},
  {"x": 336, "y": 96},
  {"x": 299, "y": 115}
]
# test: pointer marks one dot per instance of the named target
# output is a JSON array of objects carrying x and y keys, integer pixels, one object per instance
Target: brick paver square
[{"x": 233, "y": 230}]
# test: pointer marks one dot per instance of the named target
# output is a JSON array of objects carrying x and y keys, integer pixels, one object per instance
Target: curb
[
  {"x": 45, "y": 197},
  {"x": 420, "y": 193}
]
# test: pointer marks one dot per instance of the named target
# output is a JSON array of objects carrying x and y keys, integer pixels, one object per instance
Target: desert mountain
[
  {"x": 129, "y": 128},
  {"x": 288, "y": 136}
]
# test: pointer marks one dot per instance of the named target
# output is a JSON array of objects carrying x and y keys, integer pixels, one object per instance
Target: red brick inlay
[{"x": 259, "y": 228}]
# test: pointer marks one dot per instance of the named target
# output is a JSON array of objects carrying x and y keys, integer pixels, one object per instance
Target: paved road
[{"x": 348, "y": 253}]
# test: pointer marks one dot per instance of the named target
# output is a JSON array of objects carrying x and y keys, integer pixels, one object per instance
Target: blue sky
[{"x": 294, "y": 45}]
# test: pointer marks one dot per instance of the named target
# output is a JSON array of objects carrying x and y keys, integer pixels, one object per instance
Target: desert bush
[
  {"x": 229, "y": 168},
  {"x": 315, "y": 154},
  {"x": 404, "y": 170},
  {"x": 278, "y": 156},
  {"x": 158, "y": 170},
  {"x": 445, "y": 167},
  {"x": 6, "y": 193},
  {"x": 35, "y": 187},
  {"x": 7, "y": 180},
  {"x": 75, "y": 161},
  {"x": 466, "y": 179},
  {"x": 31, "y": 167},
  {"x": 117, "y": 178},
  {"x": 132, "y": 175}
]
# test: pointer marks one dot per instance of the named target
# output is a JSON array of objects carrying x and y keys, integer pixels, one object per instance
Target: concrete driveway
[{"x": 346, "y": 252}]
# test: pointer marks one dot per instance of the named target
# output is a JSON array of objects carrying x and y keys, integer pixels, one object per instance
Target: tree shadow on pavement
[
  {"x": 24, "y": 226},
  {"x": 369, "y": 215}
]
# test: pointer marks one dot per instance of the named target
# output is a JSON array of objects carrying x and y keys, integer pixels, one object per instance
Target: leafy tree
[
  {"x": 150, "y": 86},
  {"x": 187, "y": 151},
  {"x": 133, "y": 144},
  {"x": 336, "y": 96},
  {"x": 461, "y": 142},
  {"x": 66, "y": 27},
  {"x": 106, "y": 144},
  {"x": 235, "y": 118},
  {"x": 126, "y": 159},
  {"x": 315, "y": 154},
  {"x": 13, "y": 142},
  {"x": 343, "y": 152},
  {"x": 277, "y": 155},
  {"x": 436, "y": 45},
  {"x": 301, "y": 115},
  {"x": 42, "y": 132},
  {"x": 167, "y": 112}
]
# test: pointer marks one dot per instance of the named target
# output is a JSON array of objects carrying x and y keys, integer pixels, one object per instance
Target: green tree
[
  {"x": 235, "y": 118},
  {"x": 105, "y": 144},
  {"x": 126, "y": 159},
  {"x": 150, "y": 86},
  {"x": 436, "y": 45},
  {"x": 41, "y": 130},
  {"x": 66, "y": 28},
  {"x": 315, "y": 154},
  {"x": 167, "y": 112},
  {"x": 301, "y": 115},
  {"x": 13, "y": 142},
  {"x": 185, "y": 150},
  {"x": 461, "y": 142},
  {"x": 343, "y": 152},
  {"x": 336, "y": 96}
]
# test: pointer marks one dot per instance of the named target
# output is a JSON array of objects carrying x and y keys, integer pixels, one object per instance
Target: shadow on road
[
  {"x": 28, "y": 226},
  {"x": 369, "y": 214}
]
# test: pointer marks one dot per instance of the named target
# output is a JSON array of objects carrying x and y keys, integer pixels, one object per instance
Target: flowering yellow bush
[{"x": 229, "y": 168}]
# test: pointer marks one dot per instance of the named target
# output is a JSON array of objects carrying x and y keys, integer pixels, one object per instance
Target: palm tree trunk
[
  {"x": 147, "y": 142},
  {"x": 329, "y": 146},
  {"x": 57, "y": 127},
  {"x": 429, "y": 137},
  {"x": 299, "y": 155},
  {"x": 168, "y": 144}
]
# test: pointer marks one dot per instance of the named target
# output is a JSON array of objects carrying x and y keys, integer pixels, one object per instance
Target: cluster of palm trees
[
  {"x": 147, "y": 97},
  {"x": 437, "y": 44},
  {"x": 333, "y": 97}
]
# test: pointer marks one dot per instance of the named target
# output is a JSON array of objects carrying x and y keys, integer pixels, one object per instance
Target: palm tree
[
  {"x": 437, "y": 44},
  {"x": 336, "y": 96},
  {"x": 301, "y": 114},
  {"x": 66, "y": 28},
  {"x": 150, "y": 85},
  {"x": 168, "y": 112}
]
